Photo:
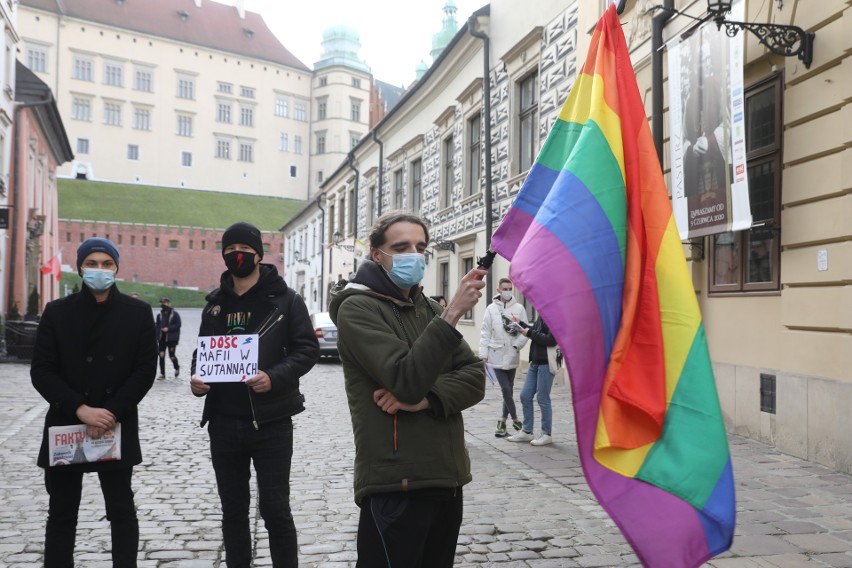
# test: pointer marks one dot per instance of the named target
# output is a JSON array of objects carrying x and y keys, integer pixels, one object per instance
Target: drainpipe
[
  {"x": 13, "y": 241},
  {"x": 486, "y": 111},
  {"x": 657, "y": 24},
  {"x": 351, "y": 161},
  {"x": 322, "y": 254},
  {"x": 381, "y": 171}
]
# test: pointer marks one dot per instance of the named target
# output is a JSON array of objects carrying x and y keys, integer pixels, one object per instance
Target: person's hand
[
  {"x": 197, "y": 386},
  {"x": 389, "y": 403},
  {"x": 518, "y": 326},
  {"x": 466, "y": 296},
  {"x": 701, "y": 146},
  {"x": 96, "y": 417},
  {"x": 94, "y": 431},
  {"x": 260, "y": 382},
  {"x": 164, "y": 329}
]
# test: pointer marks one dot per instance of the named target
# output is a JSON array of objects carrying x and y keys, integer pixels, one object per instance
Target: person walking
[
  {"x": 251, "y": 422},
  {"x": 499, "y": 347},
  {"x": 94, "y": 360},
  {"x": 409, "y": 374},
  {"x": 538, "y": 383},
  {"x": 168, "y": 324}
]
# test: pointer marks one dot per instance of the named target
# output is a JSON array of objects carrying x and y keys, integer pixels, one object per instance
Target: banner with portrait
[{"x": 707, "y": 126}]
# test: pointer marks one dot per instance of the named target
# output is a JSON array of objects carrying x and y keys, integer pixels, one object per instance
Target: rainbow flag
[{"x": 593, "y": 245}]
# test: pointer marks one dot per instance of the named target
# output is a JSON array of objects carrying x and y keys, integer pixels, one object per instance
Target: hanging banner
[{"x": 707, "y": 126}]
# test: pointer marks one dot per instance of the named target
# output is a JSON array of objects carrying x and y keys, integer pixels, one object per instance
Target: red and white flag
[{"x": 53, "y": 266}]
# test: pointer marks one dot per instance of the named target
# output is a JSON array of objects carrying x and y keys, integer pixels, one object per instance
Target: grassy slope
[
  {"x": 101, "y": 201},
  {"x": 150, "y": 293}
]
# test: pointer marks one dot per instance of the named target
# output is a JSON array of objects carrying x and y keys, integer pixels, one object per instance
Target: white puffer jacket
[{"x": 500, "y": 348}]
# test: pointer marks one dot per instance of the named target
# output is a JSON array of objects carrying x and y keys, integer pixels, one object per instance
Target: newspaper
[
  {"x": 71, "y": 444},
  {"x": 489, "y": 372}
]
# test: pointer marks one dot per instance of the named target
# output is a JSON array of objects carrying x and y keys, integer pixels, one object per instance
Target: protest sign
[{"x": 226, "y": 358}]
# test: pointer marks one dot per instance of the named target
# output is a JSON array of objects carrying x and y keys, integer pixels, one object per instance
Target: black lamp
[
  {"x": 779, "y": 39},
  {"x": 336, "y": 238},
  {"x": 718, "y": 8}
]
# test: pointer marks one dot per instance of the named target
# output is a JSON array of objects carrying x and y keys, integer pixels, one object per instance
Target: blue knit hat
[{"x": 96, "y": 244}]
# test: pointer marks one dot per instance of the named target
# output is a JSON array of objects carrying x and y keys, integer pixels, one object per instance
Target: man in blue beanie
[{"x": 95, "y": 359}]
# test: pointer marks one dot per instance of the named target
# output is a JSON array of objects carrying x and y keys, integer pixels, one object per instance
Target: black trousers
[
  {"x": 235, "y": 446},
  {"x": 409, "y": 530},
  {"x": 171, "y": 346},
  {"x": 65, "y": 489}
]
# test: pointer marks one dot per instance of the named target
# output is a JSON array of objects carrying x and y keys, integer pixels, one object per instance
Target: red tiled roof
[{"x": 213, "y": 25}]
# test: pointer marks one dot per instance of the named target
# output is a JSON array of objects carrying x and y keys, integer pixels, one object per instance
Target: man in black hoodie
[{"x": 251, "y": 422}]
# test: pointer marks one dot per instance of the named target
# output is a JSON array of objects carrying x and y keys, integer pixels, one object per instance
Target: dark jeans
[
  {"x": 65, "y": 489},
  {"x": 171, "y": 346},
  {"x": 538, "y": 383},
  {"x": 506, "y": 380},
  {"x": 408, "y": 531},
  {"x": 234, "y": 446}
]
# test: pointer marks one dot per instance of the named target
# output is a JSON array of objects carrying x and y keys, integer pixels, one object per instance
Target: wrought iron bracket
[
  {"x": 786, "y": 41},
  {"x": 780, "y": 39},
  {"x": 445, "y": 245}
]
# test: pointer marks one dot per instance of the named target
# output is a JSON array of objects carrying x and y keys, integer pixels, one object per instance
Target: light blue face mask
[
  {"x": 408, "y": 268},
  {"x": 98, "y": 280}
]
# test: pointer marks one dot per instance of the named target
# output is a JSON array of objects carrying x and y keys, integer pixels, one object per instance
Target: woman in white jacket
[{"x": 499, "y": 347}]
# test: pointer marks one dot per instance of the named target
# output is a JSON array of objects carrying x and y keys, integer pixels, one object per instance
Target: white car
[{"x": 326, "y": 333}]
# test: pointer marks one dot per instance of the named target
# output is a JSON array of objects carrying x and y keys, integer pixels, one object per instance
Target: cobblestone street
[{"x": 527, "y": 506}]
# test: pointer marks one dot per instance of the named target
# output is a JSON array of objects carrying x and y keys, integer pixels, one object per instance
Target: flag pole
[{"x": 486, "y": 118}]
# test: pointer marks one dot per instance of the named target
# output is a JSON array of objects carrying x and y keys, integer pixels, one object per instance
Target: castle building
[{"x": 177, "y": 93}]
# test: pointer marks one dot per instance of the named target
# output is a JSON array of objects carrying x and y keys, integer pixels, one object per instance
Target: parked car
[{"x": 326, "y": 334}]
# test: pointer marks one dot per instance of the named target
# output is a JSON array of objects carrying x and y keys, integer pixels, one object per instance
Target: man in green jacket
[{"x": 409, "y": 374}]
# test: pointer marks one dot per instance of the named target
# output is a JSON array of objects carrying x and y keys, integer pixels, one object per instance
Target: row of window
[
  {"x": 143, "y": 80},
  {"x": 174, "y": 244},
  {"x": 354, "y": 109},
  {"x": 322, "y": 146},
  {"x": 223, "y": 146},
  {"x": 81, "y": 109},
  {"x": 356, "y": 82},
  {"x": 223, "y": 151}
]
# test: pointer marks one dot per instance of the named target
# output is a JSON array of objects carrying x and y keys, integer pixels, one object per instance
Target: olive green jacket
[{"x": 428, "y": 359}]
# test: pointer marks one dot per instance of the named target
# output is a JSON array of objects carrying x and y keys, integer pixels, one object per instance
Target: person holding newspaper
[
  {"x": 250, "y": 421},
  {"x": 94, "y": 360}
]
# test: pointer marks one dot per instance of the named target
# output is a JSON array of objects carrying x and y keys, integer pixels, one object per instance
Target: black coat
[
  {"x": 540, "y": 339},
  {"x": 288, "y": 344},
  {"x": 101, "y": 355},
  {"x": 172, "y": 321}
]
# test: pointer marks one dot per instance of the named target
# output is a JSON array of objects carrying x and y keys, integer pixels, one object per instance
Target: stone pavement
[{"x": 527, "y": 506}]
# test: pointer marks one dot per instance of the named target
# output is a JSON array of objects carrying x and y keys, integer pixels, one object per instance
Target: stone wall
[{"x": 162, "y": 254}]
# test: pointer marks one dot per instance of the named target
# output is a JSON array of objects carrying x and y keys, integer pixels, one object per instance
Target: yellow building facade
[{"x": 780, "y": 337}]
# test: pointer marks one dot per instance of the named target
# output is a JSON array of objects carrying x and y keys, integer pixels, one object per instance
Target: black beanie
[
  {"x": 96, "y": 244},
  {"x": 243, "y": 233}
]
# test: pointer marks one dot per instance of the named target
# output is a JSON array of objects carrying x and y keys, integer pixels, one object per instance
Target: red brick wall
[{"x": 147, "y": 254}]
